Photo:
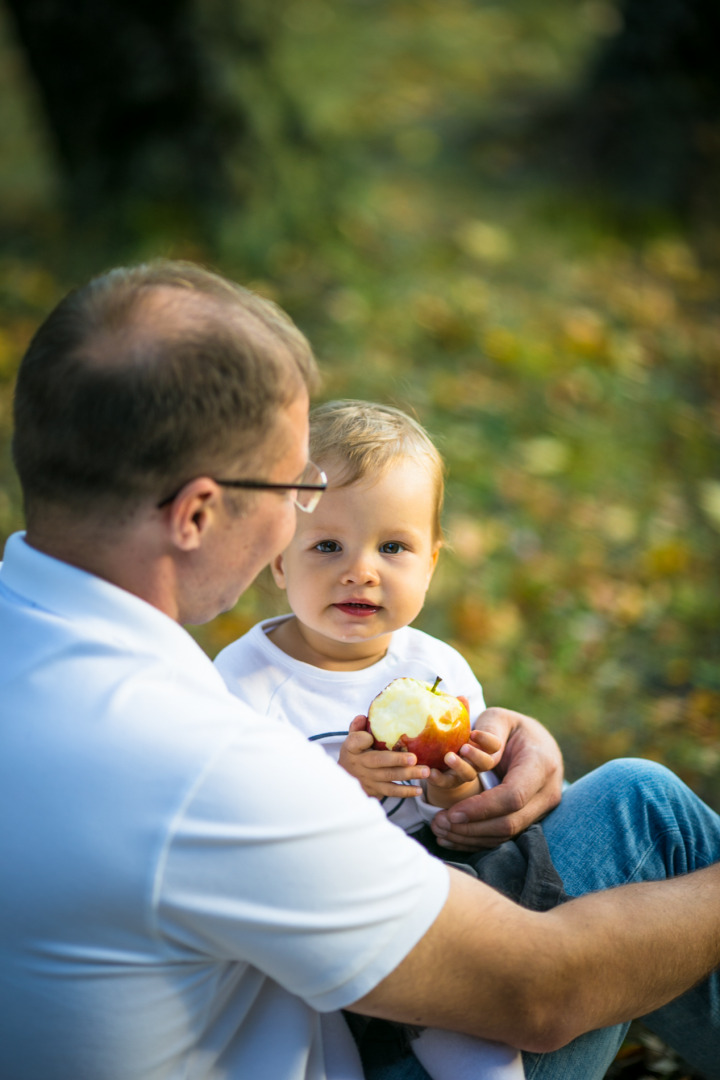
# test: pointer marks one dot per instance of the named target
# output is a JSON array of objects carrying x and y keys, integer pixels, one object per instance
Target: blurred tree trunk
[
  {"x": 648, "y": 119},
  {"x": 137, "y": 122}
]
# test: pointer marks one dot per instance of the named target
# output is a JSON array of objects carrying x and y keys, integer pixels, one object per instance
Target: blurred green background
[{"x": 500, "y": 216}]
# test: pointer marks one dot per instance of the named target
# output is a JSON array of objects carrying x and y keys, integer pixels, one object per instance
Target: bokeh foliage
[{"x": 565, "y": 356}]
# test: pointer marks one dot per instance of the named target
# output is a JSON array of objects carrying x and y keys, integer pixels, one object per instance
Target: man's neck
[{"x": 123, "y": 560}]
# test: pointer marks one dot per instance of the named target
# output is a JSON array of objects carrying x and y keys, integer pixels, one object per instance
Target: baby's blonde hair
[{"x": 365, "y": 439}]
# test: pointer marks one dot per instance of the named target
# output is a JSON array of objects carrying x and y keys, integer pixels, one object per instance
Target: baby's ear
[
  {"x": 433, "y": 561},
  {"x": 278, "y": 571}
]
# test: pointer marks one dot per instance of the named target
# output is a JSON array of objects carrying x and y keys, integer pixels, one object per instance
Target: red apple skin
[{"x": 432, "y": 744}]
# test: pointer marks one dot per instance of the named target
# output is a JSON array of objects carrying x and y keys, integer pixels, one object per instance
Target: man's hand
[
  {"x": 531, "y": 771},
  {"x": 462, "y": 778},
  {"x": 378, "y": 769}
]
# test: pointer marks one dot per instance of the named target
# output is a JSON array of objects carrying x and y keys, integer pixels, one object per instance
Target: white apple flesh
[{"x": 411, "y": 715}]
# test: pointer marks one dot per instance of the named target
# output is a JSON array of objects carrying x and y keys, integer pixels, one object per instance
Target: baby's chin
[
  {"x": 357, "y": 638},
  {"x": 350, "y": 636},
  {"x": 347, "y": 634}
]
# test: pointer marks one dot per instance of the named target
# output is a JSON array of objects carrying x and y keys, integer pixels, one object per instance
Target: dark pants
[{"x": 520, "y": 869}]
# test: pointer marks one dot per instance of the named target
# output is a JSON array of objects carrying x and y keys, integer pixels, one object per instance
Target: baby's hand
[
  {"x": 461, "y": 780},
  {"x": 377, "y": 769}
]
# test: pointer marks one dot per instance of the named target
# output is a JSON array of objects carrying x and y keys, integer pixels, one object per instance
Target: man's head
[{"x": 145, "y": 378}]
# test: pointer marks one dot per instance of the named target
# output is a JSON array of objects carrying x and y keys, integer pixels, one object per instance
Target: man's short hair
[
  {"x": 365, "y": 439},
  {"x": 146, "y": 377}
]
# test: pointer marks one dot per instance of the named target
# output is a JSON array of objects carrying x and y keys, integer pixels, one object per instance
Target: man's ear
[
  {"x": 278, "y": 571},
  {"x": 193, "y": 512}
]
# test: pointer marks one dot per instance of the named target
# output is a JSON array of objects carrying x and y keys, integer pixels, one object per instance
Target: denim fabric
[
  {"x": 629, "y": 820},
  {"x": 633, "y": 820}
]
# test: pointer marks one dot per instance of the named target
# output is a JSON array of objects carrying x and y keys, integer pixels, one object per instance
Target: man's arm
[
  {"x": 531, "y": 769},
  {"x": 532, "y": 977}
]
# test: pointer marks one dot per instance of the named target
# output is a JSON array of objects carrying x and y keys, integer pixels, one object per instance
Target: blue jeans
[{"x": 629, "y": 820}]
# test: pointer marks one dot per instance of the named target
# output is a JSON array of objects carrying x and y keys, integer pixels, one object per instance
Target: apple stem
[{"x": 435, "y": 685}]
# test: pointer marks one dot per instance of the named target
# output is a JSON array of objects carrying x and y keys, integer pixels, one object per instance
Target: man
[{"x": 175, "y": 902}]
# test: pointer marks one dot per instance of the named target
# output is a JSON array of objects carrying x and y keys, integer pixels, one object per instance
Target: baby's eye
[
  {"x": 392, "y": 547},
  {"x": 327, "y": 547}
]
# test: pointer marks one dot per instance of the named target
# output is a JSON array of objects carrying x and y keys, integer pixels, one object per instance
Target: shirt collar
[{"x": 105, "y": 609}]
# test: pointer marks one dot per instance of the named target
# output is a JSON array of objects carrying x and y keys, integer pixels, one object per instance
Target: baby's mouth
[{"x": 356, "y": 607}]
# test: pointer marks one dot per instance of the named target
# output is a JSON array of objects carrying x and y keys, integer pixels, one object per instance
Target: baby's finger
[
  {"x": 402, "y": 791},
  {"x": 487, "y": 741},
  {"x": 389, "y": 759},
  {"x": 459, "y": 772},
  {"x": 357, "y": 742},
  {"x": 399, "y": 773},
  {"x": 477, "y": 759},
  {"x": 394, "y": 791}
]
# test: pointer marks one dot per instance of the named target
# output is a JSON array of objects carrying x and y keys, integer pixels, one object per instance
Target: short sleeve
[{"x": 278, "y": 859}]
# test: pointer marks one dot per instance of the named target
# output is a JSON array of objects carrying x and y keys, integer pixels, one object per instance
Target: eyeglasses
[{"x": 308, "y": 489}]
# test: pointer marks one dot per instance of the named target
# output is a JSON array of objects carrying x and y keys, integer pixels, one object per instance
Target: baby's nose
[{"x": 361, "y": 569}]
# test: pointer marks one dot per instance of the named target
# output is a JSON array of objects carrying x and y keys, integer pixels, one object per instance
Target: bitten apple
[{"x": 415, "y": 716}]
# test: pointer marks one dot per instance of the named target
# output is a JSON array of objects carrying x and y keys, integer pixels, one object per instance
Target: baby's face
[{"x": 359, "y": 566}]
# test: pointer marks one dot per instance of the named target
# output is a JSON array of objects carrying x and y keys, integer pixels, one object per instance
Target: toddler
[{"x": 356, "y": 574}]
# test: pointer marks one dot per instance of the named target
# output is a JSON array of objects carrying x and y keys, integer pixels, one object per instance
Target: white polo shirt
[{"x": 175, "y": 901}]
